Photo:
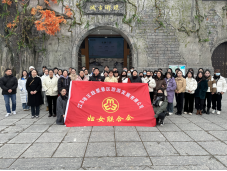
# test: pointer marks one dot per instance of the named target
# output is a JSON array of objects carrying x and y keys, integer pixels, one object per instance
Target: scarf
[
  {"x": 63, "y": 97},
  {"x": 65, "y": 79}
]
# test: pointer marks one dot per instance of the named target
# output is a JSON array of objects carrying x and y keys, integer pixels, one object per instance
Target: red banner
[{"x": 109, "y": 104}]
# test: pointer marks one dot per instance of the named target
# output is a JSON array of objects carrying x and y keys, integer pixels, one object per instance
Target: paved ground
[{"x": 185, "y": 142}]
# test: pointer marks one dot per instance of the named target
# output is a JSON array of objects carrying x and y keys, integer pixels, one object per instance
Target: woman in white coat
[
  {"x": 23, "y": 92},
  {"x": 50, "y": 85}
]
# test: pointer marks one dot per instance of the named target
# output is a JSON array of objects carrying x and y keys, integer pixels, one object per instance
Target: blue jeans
[
  {"x": 25, "y": 106},
  {"x": 7, "y": 103},
  {"x": 35, "y": 110},
  {"x": 170, "y": 107}
]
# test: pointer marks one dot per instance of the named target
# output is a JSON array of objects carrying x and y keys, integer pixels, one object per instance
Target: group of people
[{"x": 51, "y": 88}]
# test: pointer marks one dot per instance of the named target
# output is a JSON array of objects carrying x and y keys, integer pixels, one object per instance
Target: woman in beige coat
[
  {"x": 50, "y": 85},
  {"x": 111, "y": 78},
  {"x": 181, "y": 86}
]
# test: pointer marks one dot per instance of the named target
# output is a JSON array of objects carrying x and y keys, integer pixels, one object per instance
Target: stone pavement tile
[
  {"x": 179, "y": 120},
  {"x": 198, "y": 119},
  {"x": 176, "y": 136},
  {"x": 38, "y": 150},
  {"x": 124, "y": 128},
  {"x": 147, "y": 129},
  {"x": 36, "y": 128},
  {"x": 8, "y": 121},
  {"x": 15, "y": 129},
  {"x": 188, "y": 126},
  {"x": 108, "y": 163},
  {"x": 81, "y": 129},
  {"x": 4, "y": 137},
  {"x": 71, "y": 150},
  {"x": 26, "y": 121},
  {"x": 127, "y": 136},
  {"x": 2, "y": 127},
  {"x": 222, "y": 159},
  {"x": 222, "y": 135},
  {"x": 12, "y": 150},
  {"x": 5, "y": 163},
  {"x": 100, "y": 149},
  {"x": 189, "y": 148},
  {"x": 51, "y": 137},
  {"x": 103, "y": 128},
  {"x": 152, "y": 136},
  {"x": 188, "y": 161},
  {"x": 46, "y": 121},
  {"x": 223, "y": 125},
  {"x": 130, "y": 149},
  {"x": 200, "y": 136},
  {"x": 25, "y": 138},
  {"x": 58, "y": 128},
  {"x": 168, "y": 127},
  {"x": 47, "y": 164},
  {"x": 216, "y": 119},
  {"x": 19, "y": 116},
  {"x": 160, "y": 149},
  {"x": 167, "y": 120},
  {"x": 77, "y": 137},
  {"x": 209, "y": 126},
  {"x": 215, "y": 147},
  {"x": 1, "y": 145},
  {"x": 101, "y": 136}
]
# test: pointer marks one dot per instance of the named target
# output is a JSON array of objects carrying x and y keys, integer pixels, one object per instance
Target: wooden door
[{"x": 219, "y": 59}]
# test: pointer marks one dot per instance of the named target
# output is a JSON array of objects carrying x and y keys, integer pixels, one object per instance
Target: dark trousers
[
  {"x": 176, "y": 98},
  {"x": 35, "y": 110},
  {"x": 52, "y": 100},
  {"x": 199, "y": 103},
  {"x": 208, "y": 100},
  {"x": 151, "y": 96},
  {"x": 189, "y": 102},
  {"x": 180, "y": 99},
  {"x": 216, "y": 101},
  {"x": 161, "y": 116}
]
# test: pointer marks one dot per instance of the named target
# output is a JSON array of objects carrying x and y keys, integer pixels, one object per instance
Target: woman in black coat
[
  {"x": 135, "y": 78},
  {"x": 64, "y": 82},
  {"x": 34, "y": 88},
  {"x": 200, "y": 92}
]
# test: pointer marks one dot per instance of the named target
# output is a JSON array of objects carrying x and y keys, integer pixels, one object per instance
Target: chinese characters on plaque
[{"x": 104, "y": 8}]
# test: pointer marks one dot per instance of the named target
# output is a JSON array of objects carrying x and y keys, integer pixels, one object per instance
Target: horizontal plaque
[{"x": 104, "y": 8}]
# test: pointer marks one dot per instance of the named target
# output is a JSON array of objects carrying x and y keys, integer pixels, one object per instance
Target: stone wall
[{"x": 150, "y": 49}]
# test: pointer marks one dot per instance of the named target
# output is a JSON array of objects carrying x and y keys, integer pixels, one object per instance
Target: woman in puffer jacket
[
  {"x": 191, "y": 86},
  {"x": 171, "y": 87},
  {"x": 50, "y": 85},
  {"x": 211, "y": 90},
  {"x": 221, "y": 89}
]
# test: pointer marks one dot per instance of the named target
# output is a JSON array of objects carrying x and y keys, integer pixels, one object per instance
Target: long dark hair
[
  {"x": 197, "y": 77},
  {"x": 161, "y": 78},
  {"x": 171, "y": 74},
  {"x": 120, "y": 78},
  {"x": 23, "y": 75},
  {"x": 191, "y": 73}
]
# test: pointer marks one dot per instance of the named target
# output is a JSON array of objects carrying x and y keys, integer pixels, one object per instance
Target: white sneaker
[
  {"x": 218, "y": 112},
  {"x": 8, "y": 114},
  {"x": 190, "y": 113},
  {"x": 14, "y": 112},
  {"x": 213, "y": 111},
  {"x": 170, "y": 114},
  {"x": 185, "y": 113}
]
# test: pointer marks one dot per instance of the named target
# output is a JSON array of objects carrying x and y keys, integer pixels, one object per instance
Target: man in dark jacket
[
  {"x": 96, "y": 76},
  {"x": 135, "y": 78},
  {"x": 9, "y": 83}
]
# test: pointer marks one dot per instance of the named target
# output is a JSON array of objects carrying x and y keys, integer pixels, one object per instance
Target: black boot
[
  {"x": 49, "y": 115},
  {"x": 204, "y": 110},
  {"x": 208, "y": 111}
]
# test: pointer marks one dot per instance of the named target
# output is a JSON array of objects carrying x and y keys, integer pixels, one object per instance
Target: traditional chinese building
[{"x": 140, "y": 33}]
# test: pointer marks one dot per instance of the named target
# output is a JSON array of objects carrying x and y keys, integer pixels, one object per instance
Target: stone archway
[{"x": 85, "y": 32}]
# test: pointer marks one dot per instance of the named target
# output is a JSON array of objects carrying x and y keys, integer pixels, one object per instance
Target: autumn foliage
[
  {"x": 49, "y": 22},
  {"x": 68, "y": 11},
  {"x": 9, "y": 2}
]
